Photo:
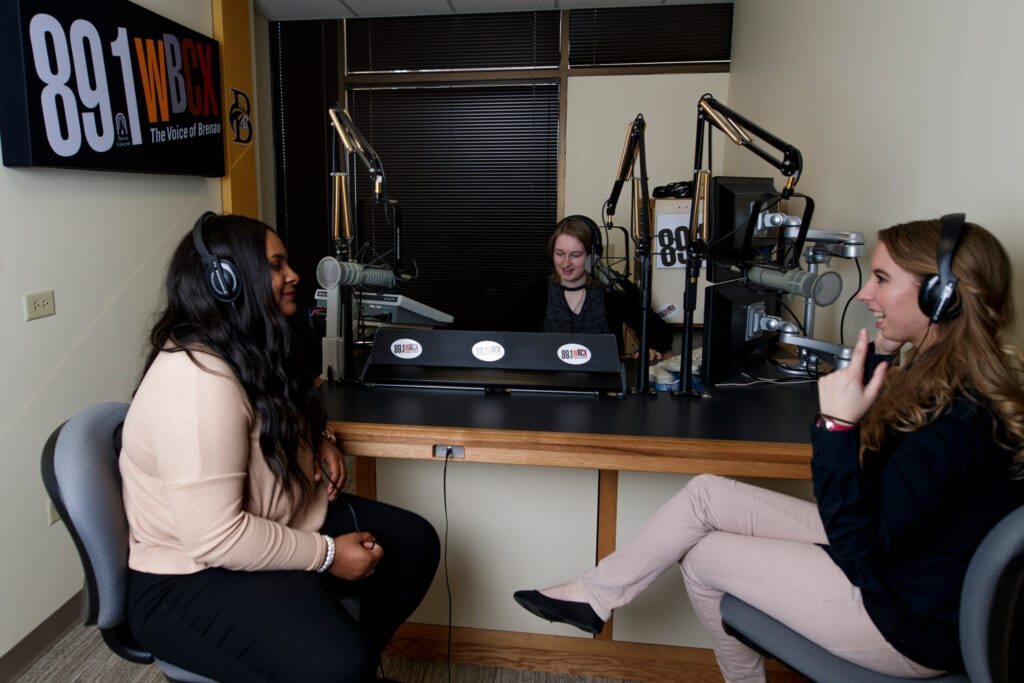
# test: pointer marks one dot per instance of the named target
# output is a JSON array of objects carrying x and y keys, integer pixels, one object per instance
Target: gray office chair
[
  {"x": 991, "y": 600},
  {"x": 82, "y": 478}
]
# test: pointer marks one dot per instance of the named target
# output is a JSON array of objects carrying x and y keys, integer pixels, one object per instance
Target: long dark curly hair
[{"x": 250, "y": 334}]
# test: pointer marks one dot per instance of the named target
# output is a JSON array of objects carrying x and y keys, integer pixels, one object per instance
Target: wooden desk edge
[{"x": 582, "y": 451}]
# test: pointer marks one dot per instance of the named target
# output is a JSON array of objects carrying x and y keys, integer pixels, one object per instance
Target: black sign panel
[{"x": 106, "y": 84}]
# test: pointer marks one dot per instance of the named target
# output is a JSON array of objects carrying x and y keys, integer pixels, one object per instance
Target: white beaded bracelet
[{"x": 330, "y": 554}]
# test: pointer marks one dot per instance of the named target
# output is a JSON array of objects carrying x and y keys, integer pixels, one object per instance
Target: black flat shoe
[{"x": 578, "y": 614}]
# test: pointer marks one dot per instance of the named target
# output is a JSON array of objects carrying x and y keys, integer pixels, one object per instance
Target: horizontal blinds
[
  {"x": 461, "y": 42},
  {"x": 474, "y": 169},
  {"x": 675, "y": 34}
]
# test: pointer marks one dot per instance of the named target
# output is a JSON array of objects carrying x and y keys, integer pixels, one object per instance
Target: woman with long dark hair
[
  {"x": 912, "y": 466},
  {"x": 241, "y": 542}
]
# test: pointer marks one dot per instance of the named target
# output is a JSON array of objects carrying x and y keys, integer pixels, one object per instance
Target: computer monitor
[
  {"x": 729, "y": 348},
  {"x": 734, "y": 205}
]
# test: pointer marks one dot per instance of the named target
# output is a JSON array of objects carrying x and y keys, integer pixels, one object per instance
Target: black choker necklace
[{"x": 573, "y": 289}]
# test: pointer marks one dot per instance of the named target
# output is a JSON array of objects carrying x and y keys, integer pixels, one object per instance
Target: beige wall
[
  {"x": 902, "y": 110},
  {"x": 101, "y": 241}
]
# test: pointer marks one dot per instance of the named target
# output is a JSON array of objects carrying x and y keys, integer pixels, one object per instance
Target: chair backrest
[
  {"x": 81, "y": 476},
  {"x": 990, "y": 601}
]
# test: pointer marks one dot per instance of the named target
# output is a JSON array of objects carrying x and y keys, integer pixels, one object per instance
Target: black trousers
[{"x": 289, "y": 625}]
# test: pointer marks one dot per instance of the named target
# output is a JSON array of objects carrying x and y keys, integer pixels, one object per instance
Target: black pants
[{"x": 289, "y": 625}]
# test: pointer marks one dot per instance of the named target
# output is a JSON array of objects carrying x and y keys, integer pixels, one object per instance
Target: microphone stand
[
  {"x": 696, "y": 252},
  {"x": 631, "y": 151},
  {"x": 342, "y": 245},
  {"x": 351, "y": 140},
  {"x": 644, "y": 263}
]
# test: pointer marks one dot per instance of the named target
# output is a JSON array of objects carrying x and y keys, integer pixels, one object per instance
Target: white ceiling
[{"x": 285, "y": 10}]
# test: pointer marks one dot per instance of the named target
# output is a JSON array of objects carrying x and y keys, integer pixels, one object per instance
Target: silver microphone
[
  {"x": 331, "y": 272},
  {"x": 823, "y": 288},
  {"x": 606, "y": 276}
]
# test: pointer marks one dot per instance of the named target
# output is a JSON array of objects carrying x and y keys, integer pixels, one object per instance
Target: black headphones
[
  {"x": 937, "y": 296},
  {"x": 220, "y": 274},
  {"x": 596, "y": 244}
]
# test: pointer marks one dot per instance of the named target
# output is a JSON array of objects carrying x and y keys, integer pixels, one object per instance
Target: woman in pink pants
[{"x": 912, "y": 466}]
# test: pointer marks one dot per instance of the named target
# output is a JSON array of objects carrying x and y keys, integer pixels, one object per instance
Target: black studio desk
[{"x": 756, "y": 431}]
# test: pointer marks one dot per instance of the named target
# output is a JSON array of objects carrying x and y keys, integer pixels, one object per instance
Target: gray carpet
[{"x": 82, "y": 656}]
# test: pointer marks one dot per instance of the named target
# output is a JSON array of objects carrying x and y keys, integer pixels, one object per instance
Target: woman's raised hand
[{"x": 842, "y": 393}]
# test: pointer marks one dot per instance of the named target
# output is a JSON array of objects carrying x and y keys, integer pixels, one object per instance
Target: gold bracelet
[{"x": 329, "y": 435}]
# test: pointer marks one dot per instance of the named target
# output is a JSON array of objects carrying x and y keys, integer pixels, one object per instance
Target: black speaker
[
  {"x": 937, "y": 296},
  {"x": 220, "y": 274}
]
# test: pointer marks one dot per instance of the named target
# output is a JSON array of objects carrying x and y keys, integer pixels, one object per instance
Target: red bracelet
[{"x": 833, "y": 424}]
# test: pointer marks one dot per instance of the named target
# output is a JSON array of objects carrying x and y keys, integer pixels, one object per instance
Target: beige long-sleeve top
[{"x": 197, "y": 490}]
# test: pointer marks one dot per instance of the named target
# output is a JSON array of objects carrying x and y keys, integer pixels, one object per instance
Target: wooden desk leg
[
  {"x": 366, "y": 477},
  {"x": 607, "y": 509}
]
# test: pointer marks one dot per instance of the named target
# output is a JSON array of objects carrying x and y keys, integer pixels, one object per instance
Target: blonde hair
[{"x": 968, "y": 355}]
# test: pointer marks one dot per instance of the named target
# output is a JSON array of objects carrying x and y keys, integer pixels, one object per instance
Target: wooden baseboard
[
  {"x": 566, "y": 655},
  {"x": 29, "y": 649}
]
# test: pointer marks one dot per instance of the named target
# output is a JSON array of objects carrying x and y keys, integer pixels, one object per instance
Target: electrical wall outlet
[
  {"x": 52, "y": 516},
  {"x": 39, "y": 305}
]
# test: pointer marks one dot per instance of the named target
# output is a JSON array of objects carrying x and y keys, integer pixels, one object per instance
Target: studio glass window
[{"x": 472, "y": 163}]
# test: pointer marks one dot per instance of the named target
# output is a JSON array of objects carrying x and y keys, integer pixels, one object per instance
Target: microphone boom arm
[
  {"x": 836, "y": 355},
  {"x": 738, "y": 128},
  {"x": 630, "y": 149},
  {"x": 743, "y": 132}
]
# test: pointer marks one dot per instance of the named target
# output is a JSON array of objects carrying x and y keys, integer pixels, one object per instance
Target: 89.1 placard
[{"x": 108, "y": 85}]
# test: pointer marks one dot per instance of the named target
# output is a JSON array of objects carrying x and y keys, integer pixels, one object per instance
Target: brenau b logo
[{"x": 238, "y": 117}]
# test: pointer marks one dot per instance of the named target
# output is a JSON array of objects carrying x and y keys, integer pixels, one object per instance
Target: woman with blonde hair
[
  {"x": 571, "y": 299},
  {"x": 912, "y": 466}
]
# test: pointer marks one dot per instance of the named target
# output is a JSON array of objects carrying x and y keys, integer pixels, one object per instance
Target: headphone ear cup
[
  {"x": 588, "y": 265},
  {"x": 929, "y": 298},
  {"x": 938, "y": 296},
  {"x": 220, "y": 274},
  {"x": 222, "y": 277},
  {"x": 928, "y": 295}
]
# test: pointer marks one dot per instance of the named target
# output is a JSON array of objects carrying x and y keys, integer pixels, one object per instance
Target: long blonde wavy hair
[{"x": 968, "y": 354}]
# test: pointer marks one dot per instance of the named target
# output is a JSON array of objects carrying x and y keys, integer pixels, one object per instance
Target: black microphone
[
  {"x": 331, "y": 272},
  {"x": 823, "y": 288}
]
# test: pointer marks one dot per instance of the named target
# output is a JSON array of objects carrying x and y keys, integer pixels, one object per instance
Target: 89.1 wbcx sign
[{"x": 107, "y": 85}]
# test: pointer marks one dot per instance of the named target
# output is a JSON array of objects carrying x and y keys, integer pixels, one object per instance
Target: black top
[
  {"x": 903, "y": 523},
  {"x": 542, "y": 308}
]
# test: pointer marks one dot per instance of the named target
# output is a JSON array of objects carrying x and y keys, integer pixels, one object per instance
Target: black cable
[
  {"x": 842, "y": 318},
  {"x": 447, "y": 582},
  {"x": 765, "y": 380},
  {"x": 795, "y": 321}
]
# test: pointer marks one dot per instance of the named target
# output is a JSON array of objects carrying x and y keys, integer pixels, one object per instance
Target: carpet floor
[{"x": 81, "y": 655}]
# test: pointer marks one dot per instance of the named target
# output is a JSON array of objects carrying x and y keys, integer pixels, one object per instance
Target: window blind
[
  {"x": 674, "y": 34},
  {"x": 474, "y": 170}
]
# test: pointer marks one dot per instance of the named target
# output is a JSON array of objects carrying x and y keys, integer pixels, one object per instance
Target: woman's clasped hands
[{"x": 356, "y": 556}]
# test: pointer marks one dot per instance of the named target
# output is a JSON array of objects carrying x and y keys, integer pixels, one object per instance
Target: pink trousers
[{"x": 760, "y": 546}]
